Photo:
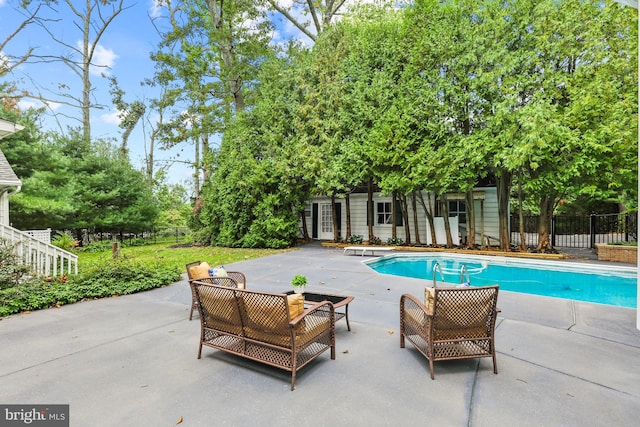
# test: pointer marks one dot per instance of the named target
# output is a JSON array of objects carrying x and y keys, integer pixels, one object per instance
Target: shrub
[
  {"x": 65, "y": 241},
  {"x": 623, "y": 243},
  {"x": 113, "y": 277},
  {"x": 395, "y": 241},
  {"x": 12, "y": 270},
  {"x": 99, "y": 246},
  {"x": 375, "y": 240},
  {"x": 355, "y": 239}
]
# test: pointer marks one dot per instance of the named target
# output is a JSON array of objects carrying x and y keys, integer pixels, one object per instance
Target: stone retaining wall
[{"x": 617, "y": 253}]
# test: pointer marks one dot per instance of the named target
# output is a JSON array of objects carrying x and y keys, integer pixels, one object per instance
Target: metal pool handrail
[
  {"x": 436, "y": 267},
  {"x": 464, "y": 272}
]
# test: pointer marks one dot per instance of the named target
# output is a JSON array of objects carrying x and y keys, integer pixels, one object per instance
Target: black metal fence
[
  {"x": 579, "y": 231},
  {"x": 169, "y": 235}
]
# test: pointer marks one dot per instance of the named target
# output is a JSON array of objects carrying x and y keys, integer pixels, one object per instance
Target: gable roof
[
  {"x": 7, "y": 128},
  {"x": 8, "y": 177}
]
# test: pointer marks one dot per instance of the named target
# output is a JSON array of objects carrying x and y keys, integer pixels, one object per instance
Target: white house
[
  {"x": 33, "y": 246},
  {"x": 9, "y": 182},
  {"x": 319, "y": 217}
]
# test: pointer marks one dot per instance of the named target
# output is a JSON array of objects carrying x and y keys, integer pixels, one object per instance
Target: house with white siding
[
  {"x": 319, "y": 217},
  {"x": 33, "y": 247}
]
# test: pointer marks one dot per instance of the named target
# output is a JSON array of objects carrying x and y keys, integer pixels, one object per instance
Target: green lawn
[
  {"x": 176, "y": 257},
  {"x": 138, "y": 268}
]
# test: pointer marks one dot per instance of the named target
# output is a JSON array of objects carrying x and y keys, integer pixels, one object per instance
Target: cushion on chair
[
  {"x": 305, "y": 332},
  {"x": 218, "y": 272},
  {"x": 465, "y": 317},
  {"x": 296, "y": 305},
  {"x": 265, "y": 312},
  {"x": 429, "y": 298},
  {"x": 199, "y": 271},
  {"x": 220, "y": 311}
]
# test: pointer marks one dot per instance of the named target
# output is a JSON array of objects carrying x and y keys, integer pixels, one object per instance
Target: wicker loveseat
[
  {"x": 271, "y": 328},
  {"x": 197, "y": 270},
  {"x": 452, "y": 323}
]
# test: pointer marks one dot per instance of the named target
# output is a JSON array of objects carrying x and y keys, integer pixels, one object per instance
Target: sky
[{"x": 123, "y": 51}]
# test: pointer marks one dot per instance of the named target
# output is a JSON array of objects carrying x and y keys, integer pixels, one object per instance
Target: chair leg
[
  {"x": 495, "y": 363},
  {"x": 433, "y": 377}
]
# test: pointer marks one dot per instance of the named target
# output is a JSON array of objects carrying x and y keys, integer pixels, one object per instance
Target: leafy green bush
[
  {"x": 355, "y": 239},
  {"x": 623, "y": 243},
  {"x": 64, "y": 241},
  {"x": 114, "y": 277},
  {"x": 375, "y": 240},
  {"x": 12, "y": 271},
  {"x": 99, "y": 246},
  {"x": 393, "y": 241}
]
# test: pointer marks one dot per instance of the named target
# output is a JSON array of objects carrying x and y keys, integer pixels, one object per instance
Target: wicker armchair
[
  {"x": 275, "y": 329},
  {"x": 235, "y": 279},
  {"x": 454, "y": 323}
]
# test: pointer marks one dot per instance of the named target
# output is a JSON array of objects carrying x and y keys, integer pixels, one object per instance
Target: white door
[{"x": 326, "y": 222}]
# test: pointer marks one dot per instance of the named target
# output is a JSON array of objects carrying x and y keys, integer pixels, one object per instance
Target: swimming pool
[{"x": 576, "y": 281}]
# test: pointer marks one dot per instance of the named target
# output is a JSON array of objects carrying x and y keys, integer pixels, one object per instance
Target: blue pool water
[{"x": 582, "y": 282}]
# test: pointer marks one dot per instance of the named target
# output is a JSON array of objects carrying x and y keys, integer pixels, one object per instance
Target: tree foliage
[{"x": 433, "y": 97}]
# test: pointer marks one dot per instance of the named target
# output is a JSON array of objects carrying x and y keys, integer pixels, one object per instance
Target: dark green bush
[
  {"x": 395, "y": 241},
  {"x": 115, "y": 277},
  {"x": 356, "y": 239},
  {"x": 624, "y": 243}
]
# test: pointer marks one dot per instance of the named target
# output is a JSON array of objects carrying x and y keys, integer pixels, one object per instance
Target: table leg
[{"x": 346, "y": 317}]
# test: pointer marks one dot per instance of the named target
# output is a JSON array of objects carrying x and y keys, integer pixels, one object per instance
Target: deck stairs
[{"x": 37, "y": 252}]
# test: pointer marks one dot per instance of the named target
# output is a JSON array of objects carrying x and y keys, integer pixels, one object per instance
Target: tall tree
[
  {"x": 92, "y": 19},
  {"x": 321, "y": 14}
]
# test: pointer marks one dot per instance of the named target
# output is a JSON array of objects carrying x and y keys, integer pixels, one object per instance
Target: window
[
  {"x": 457, "y": 208},
  {"x": 384, "y": 213}
]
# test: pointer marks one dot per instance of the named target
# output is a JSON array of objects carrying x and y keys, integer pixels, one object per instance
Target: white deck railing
[{"x": 43, "y": 258}]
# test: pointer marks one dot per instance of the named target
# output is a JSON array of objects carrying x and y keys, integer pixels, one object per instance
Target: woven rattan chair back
[{"x": 461, "y": 324}]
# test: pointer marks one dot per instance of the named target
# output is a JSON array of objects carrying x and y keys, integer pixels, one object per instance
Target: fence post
[
  {"x": 626, "y": 227},
  {"x": 592, "y": 231},
  {"x": 553, "y": 231}
]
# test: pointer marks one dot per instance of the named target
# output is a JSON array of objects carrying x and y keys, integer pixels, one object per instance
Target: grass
[
  {"x": 177, "y": 257},
  {"x": 138, "y": 268}
]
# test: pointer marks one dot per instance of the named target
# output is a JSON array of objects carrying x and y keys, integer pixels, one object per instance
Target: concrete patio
[{"x": 131, "y": 361}]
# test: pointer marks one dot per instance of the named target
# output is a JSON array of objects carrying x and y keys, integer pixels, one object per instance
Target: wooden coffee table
[{"x": 338, "y": 301}]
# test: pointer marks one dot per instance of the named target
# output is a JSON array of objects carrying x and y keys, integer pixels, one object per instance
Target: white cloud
[
  {"x": 155, "y": 8},
  {"x": 112, "y": 118},
  {"x": 103, "y": 59},
  {"x": 24, "y": 104}
]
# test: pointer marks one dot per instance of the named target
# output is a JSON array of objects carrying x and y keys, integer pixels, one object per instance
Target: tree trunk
[
  {"x": 405, "y": 219},
  {"x": 444, "y": 210},
  {"x": 547, "y": 204},
  {"x": 523, "y": 241},
  {"x": 347, "y": 206},
  {"x": 370, "y": 208},
  {"x": 228, "y": 62},
  {"x": 503, "y": 189},
  {"x": 196, "y": 169},
  {"x": 393, "y": 215},
  {"x": 336, "y": 237},
  {"x": 470, "y": 208},
  {"x": 428, "y": 210},
  {"x": 416, "y": 224},
  {"x": 305, "y": 229}
]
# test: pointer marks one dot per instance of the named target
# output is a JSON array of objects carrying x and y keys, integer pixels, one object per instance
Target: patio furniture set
[{"x": 289, "y": 330}]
